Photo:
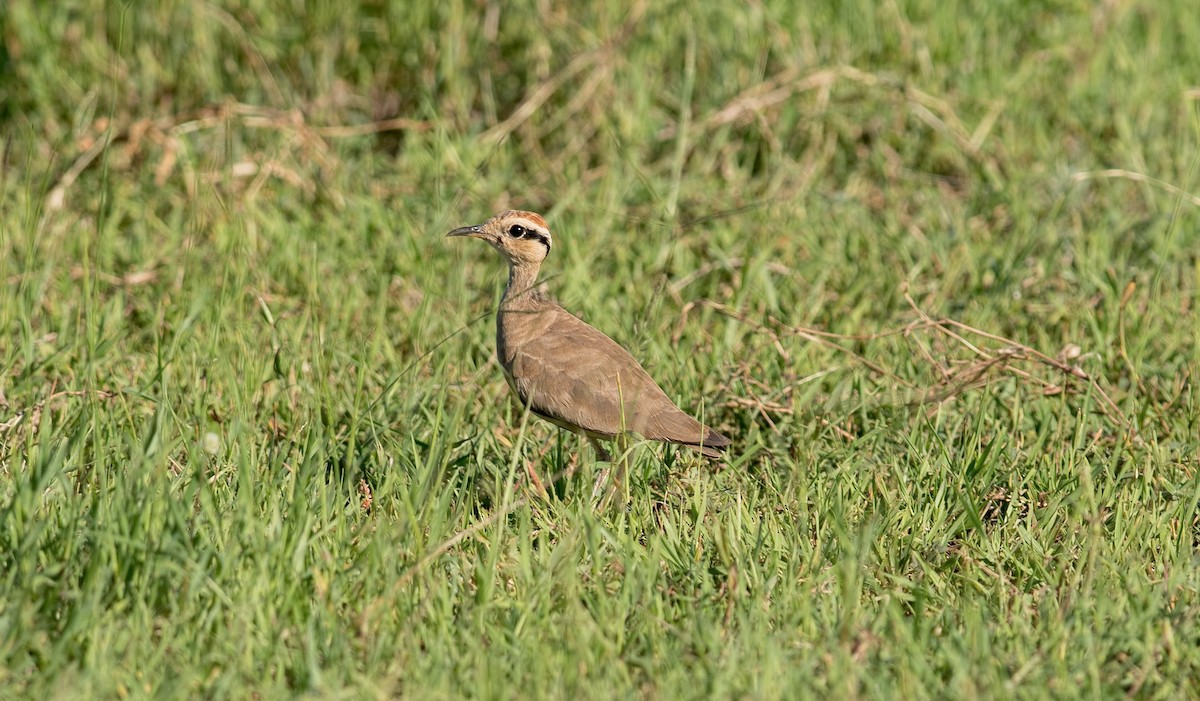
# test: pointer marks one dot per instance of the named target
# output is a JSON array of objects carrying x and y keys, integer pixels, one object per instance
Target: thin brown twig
[
  {"x": 1110, "y": 407},
  {"x": 546, "y": 89},
  {"x": 803, "y": 333},
  {"x": 1136, "y": 177},
  {"x": 931, "y": 322},
  {"x": 58, "y": 195},
  {"x": 35, "y": 411},
  {"x": 954, "y": 380},
  {"x": 937, "y": 113}
]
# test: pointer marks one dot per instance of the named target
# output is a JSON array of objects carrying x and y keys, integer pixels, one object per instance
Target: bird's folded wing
[{"x": 576, "y": 375}]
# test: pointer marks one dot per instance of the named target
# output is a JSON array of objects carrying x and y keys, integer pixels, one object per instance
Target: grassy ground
[{"x": 934, "y": 266}]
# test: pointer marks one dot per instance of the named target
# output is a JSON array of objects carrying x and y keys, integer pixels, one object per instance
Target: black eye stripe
[{"x": 520, "y": 232}]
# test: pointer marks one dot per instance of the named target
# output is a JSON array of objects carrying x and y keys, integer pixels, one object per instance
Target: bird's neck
[{"x": 522, "y": 292}]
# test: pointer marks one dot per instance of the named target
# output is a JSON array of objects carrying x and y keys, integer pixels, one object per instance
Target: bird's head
[{"x": 522, "y": 237}]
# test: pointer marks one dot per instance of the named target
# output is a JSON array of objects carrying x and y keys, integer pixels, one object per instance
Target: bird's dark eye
[{"x": 517, "y": 231}]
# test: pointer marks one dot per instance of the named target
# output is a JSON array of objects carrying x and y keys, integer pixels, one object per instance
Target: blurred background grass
[{"x": 252, "y": 441}]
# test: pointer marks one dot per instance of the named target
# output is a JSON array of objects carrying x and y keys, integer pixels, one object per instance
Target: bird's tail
[{"x": 713, "y": 445}]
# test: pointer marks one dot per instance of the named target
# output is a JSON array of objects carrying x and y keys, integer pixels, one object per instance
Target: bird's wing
[{"x": 575, "y": 375}]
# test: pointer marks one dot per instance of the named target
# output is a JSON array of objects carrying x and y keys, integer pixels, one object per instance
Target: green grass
[{"x": 228, "y": 319}]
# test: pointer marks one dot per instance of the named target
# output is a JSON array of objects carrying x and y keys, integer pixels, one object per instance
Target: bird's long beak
[{"x": 472, "y": 231}]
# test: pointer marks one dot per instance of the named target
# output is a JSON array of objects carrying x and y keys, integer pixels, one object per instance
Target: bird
[{"x": 566, "y": 371}]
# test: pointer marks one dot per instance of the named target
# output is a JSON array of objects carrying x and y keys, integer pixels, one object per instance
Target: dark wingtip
[
  {"x": 714, "y": 444},
  {"x": 715, "y": 440}
]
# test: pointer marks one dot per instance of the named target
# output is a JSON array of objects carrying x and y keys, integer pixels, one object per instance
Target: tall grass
[{"x": 933, "y": 265}]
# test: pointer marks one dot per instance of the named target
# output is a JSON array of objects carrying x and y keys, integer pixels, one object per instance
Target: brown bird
[{"x": 565, "y": 371}]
